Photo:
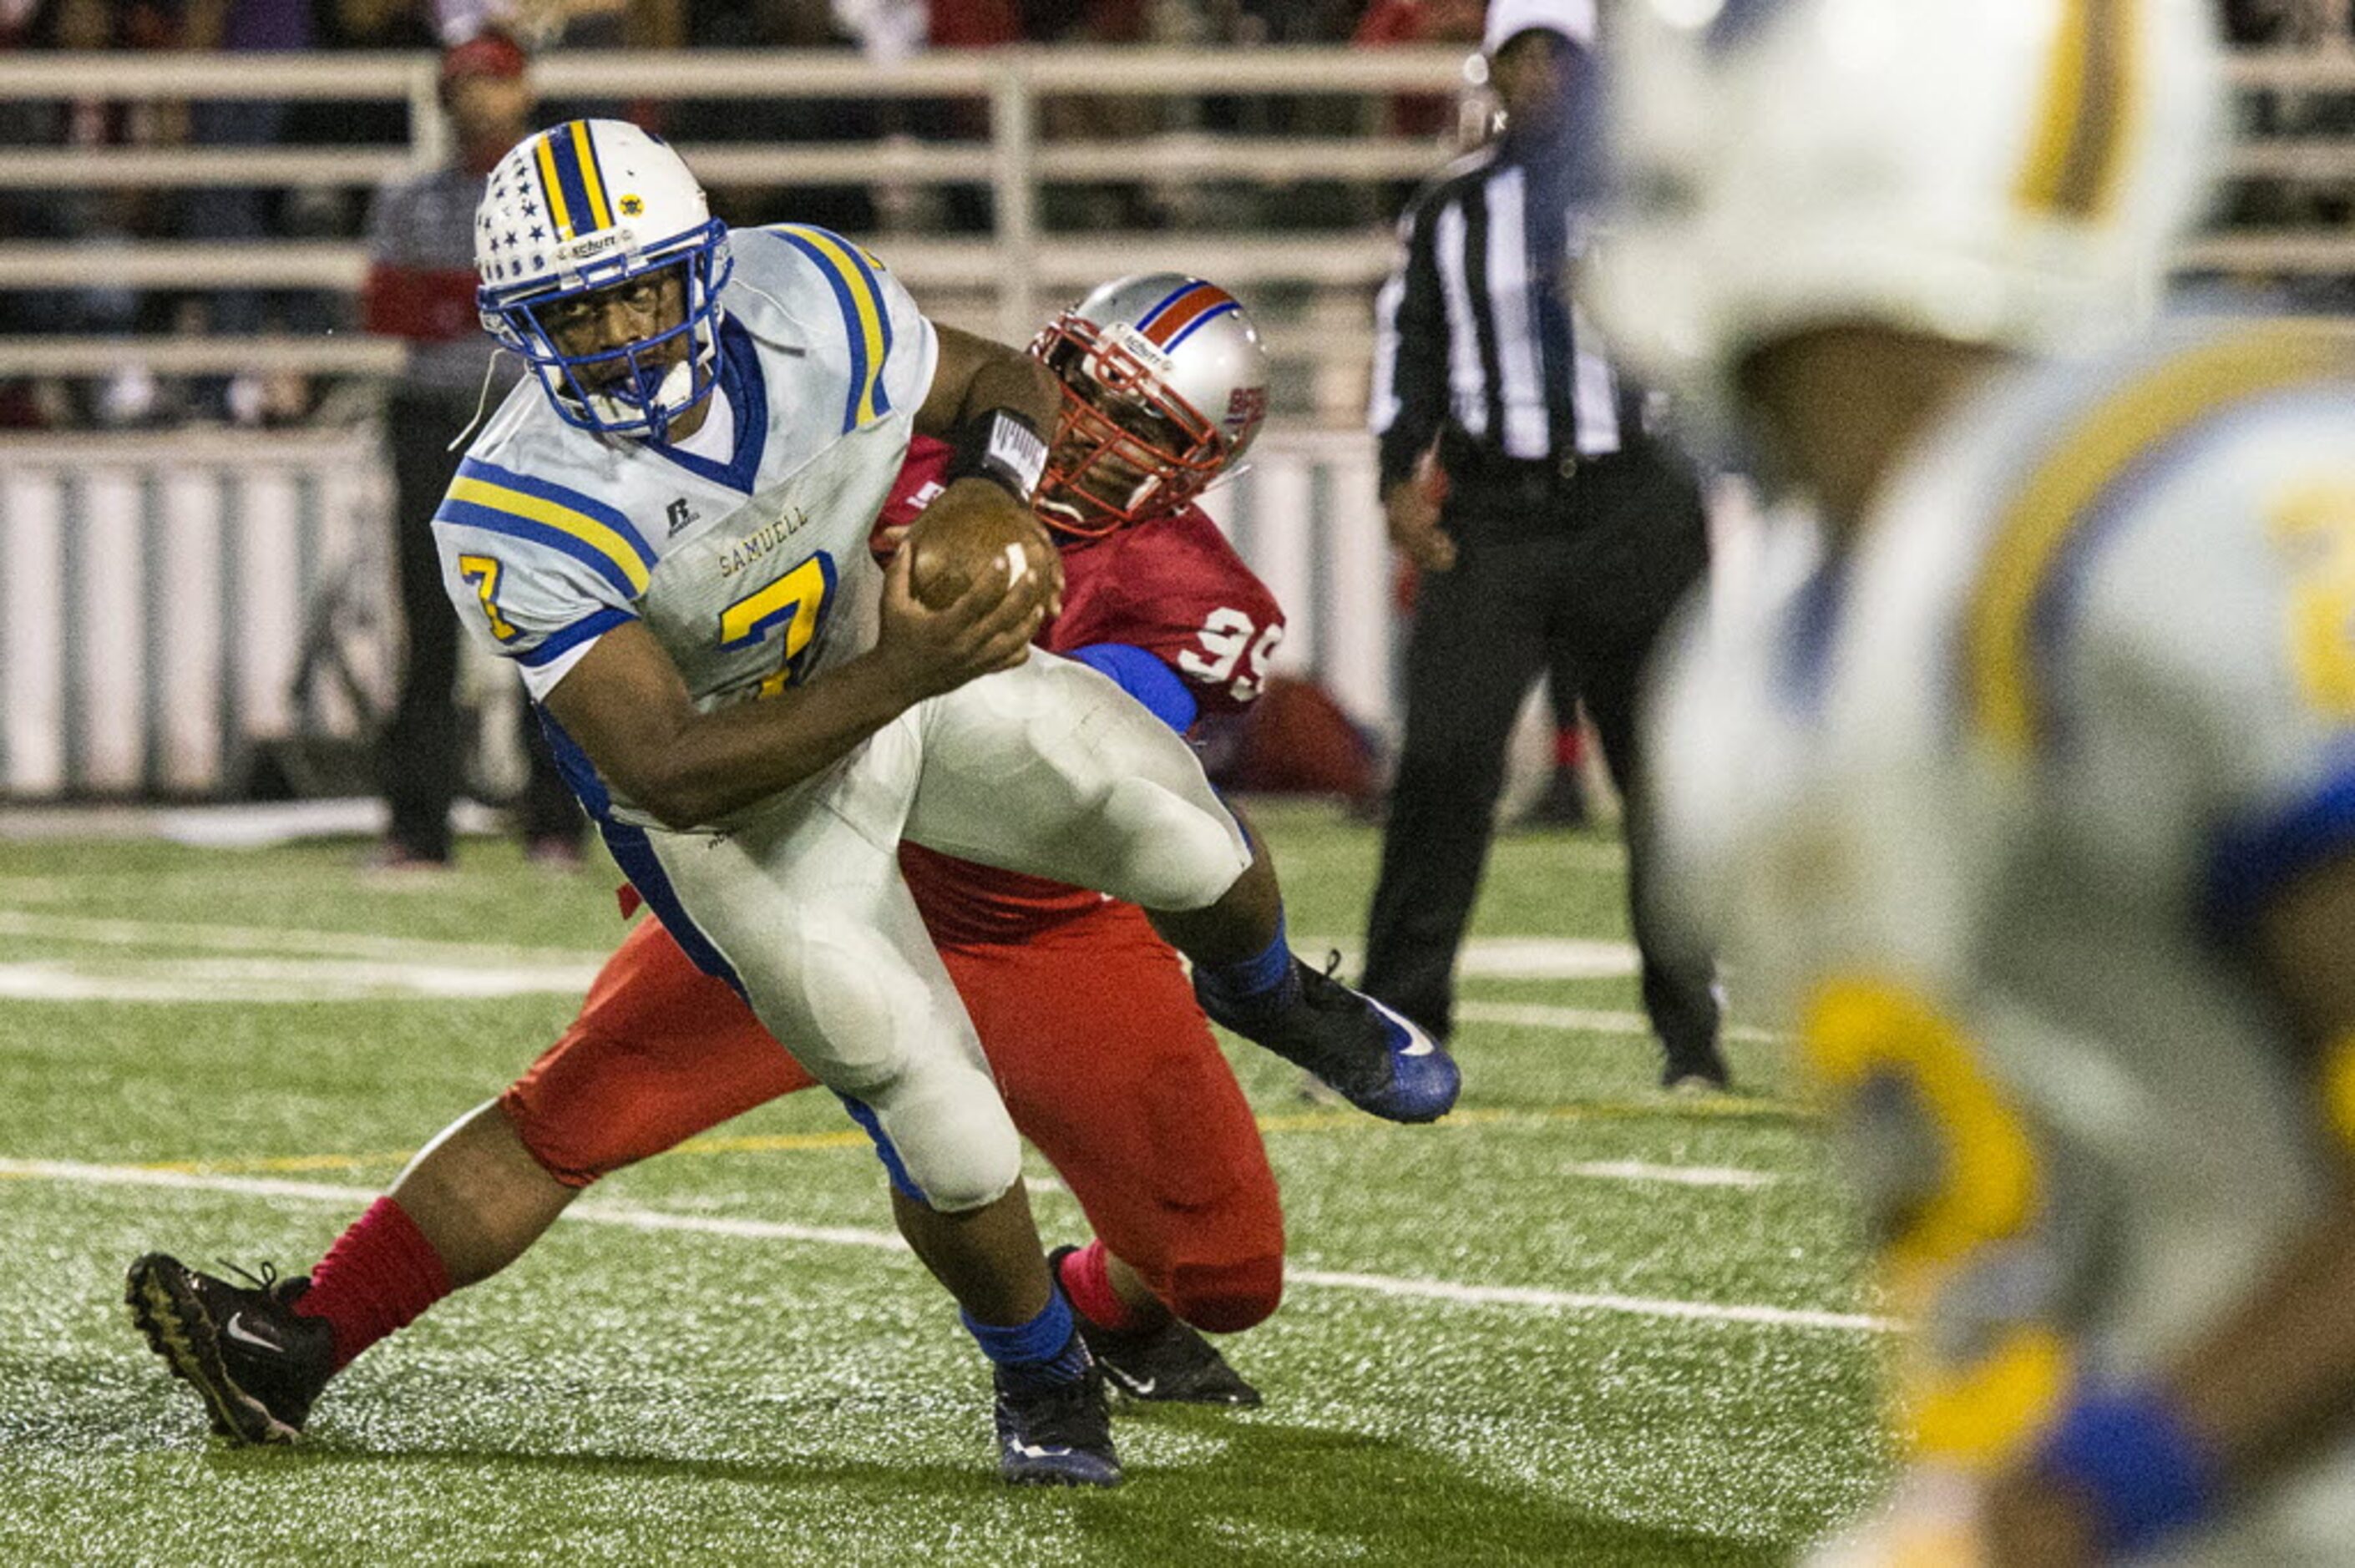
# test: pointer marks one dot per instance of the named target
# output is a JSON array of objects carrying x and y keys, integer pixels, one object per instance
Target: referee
[{"x": 1551, "y": 530}]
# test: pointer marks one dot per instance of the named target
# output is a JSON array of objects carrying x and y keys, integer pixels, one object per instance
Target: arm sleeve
[
  {"x": 1145, "y": 678},
  {"x": 1410, "y": 381}
]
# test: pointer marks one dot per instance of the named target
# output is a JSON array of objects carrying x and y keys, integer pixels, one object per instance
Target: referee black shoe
[
  {"x": 255, "y": 1361},
  {"x": 1377, "y": 1059},
  {"x": 1697, "y": 1071}
]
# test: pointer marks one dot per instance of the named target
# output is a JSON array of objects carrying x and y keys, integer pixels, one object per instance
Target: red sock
[
  {"x": 1086, "y": 1278},
  {"x": 1569, "y": 746},
  {"x": 379, "y": 1276}
]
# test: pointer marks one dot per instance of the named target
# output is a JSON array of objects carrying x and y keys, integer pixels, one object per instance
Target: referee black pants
[
  {"x": 1582, "y": 579},
  {"x": 421, "y": 756}
]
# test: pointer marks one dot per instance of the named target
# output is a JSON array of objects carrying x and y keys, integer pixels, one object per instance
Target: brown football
[{"x": 954, "y": 545}]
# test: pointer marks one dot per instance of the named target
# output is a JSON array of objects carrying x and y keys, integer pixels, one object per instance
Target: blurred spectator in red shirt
[
  {"x": 976, "y": 23},
  {"x": 1388, "y": 22}
]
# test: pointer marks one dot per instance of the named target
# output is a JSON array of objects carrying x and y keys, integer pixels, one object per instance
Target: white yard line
[
  {"x": 1639, "y": 1171},
  {"x": 1580, "y": 1302},
  {"x": 286, "y": 964},
  {"x": 376, "y": 967},
  {"x": 593, "y": 1212},
  {"x": 72, "y": 1173},
  {"x": 263, "y": 982},
  {"x": 1507, "y": 957},
  {"x": 1598, "y": 1021},
  {"x": 209, "y": 937}
]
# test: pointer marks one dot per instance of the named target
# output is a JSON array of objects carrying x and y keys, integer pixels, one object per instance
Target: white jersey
[
  {"x": 1985, "y": 812},
  {"x": 752, "y": 569}
]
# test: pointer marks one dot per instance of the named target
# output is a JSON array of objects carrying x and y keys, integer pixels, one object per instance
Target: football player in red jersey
[{"x": 1120, "y": 1083}]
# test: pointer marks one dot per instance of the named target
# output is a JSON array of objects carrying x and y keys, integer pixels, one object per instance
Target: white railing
[
  {"x": 1018, "y": 268},
  {"x": 161, "y": 599},
  {"x": 1003, "y": 281},
  {"x": 171, "y": 608}
]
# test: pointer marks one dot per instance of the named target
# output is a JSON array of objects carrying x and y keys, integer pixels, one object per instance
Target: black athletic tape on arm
[{"x": 1002, "y": 446}]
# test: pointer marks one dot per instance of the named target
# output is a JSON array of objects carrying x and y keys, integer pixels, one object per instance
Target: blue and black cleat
[
  {"x": 1055, "y": 1434},
  {"x": 1373, "y": 1057}
]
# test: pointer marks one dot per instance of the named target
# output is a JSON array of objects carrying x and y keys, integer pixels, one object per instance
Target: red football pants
[{"x": 1105, "y": 1062}]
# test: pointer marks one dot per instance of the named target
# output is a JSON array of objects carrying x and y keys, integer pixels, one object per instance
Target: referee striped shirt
[{"x": 1475, "y": 330}]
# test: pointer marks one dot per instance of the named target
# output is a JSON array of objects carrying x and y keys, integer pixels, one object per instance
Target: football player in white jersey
[
  {"x": 668, "y": 530},
  {"x": 2024, "y": 785}
]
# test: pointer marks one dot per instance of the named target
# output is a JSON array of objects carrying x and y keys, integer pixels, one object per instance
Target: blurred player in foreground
[
  {"x": 669, "y": 534},
  {"x": 2027, "y": 786},
  {"x": 1104, "y": 1059}
]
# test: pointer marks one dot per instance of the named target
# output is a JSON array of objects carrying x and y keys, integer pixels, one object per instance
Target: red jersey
[{"x": 1173, "y": 587}]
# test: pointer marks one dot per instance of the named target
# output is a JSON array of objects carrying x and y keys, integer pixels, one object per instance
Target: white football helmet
[
  {"x": 1164, "y": 384},
  {"x": 580, "y": 207},
  {"x": 2006, "y": 172}
]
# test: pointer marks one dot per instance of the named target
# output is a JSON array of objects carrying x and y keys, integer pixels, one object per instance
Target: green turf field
[{"x": 1614, "y": 1328}]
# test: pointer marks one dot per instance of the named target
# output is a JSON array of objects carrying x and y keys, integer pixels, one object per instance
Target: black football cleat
[
  {"x": 1171, "y": 1364},
  {"x": 1055, "y": 1434},
  {"x": 1377, "y": 1060},
  {"x": 256, "y": 1362}
]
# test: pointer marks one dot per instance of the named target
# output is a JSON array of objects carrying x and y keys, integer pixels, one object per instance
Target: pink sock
[
  {"x": 1087, "y": 1280},
  {"x": 379, "y": 1276}
]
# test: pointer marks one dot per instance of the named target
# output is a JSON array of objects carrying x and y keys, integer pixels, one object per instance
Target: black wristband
[{"x": 1001, "y": 446}]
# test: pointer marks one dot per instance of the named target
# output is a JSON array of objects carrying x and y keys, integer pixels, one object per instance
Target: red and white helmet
[{"x": 1164, "y": 384}]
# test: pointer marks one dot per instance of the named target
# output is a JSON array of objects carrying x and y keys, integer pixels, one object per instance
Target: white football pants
[{"x": 1049, "y": 769}]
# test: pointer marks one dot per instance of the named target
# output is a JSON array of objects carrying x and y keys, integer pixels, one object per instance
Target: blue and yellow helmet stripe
[
  {"x": 865, "y": 320},
  {"x": 2085, "y": 114},
  {"x": 572, "y": 180}
]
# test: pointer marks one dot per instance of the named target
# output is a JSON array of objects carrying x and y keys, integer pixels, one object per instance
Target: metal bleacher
[
  {"x": 259, "y": 611},
  {"x": 1004, "y": 279}
]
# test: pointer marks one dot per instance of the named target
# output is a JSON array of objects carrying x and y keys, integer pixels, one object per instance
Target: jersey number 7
[{"x": 795, "y": 603}]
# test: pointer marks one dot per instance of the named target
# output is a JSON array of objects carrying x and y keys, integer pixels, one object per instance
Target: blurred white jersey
[
  {"x": 1986, "y": 812},
  {"x": 751, "y": 566}
]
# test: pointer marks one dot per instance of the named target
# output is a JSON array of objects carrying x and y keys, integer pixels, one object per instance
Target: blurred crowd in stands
[
  {"x": 2274, "y": 203},
  {"x": 883, "y": 29}
]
